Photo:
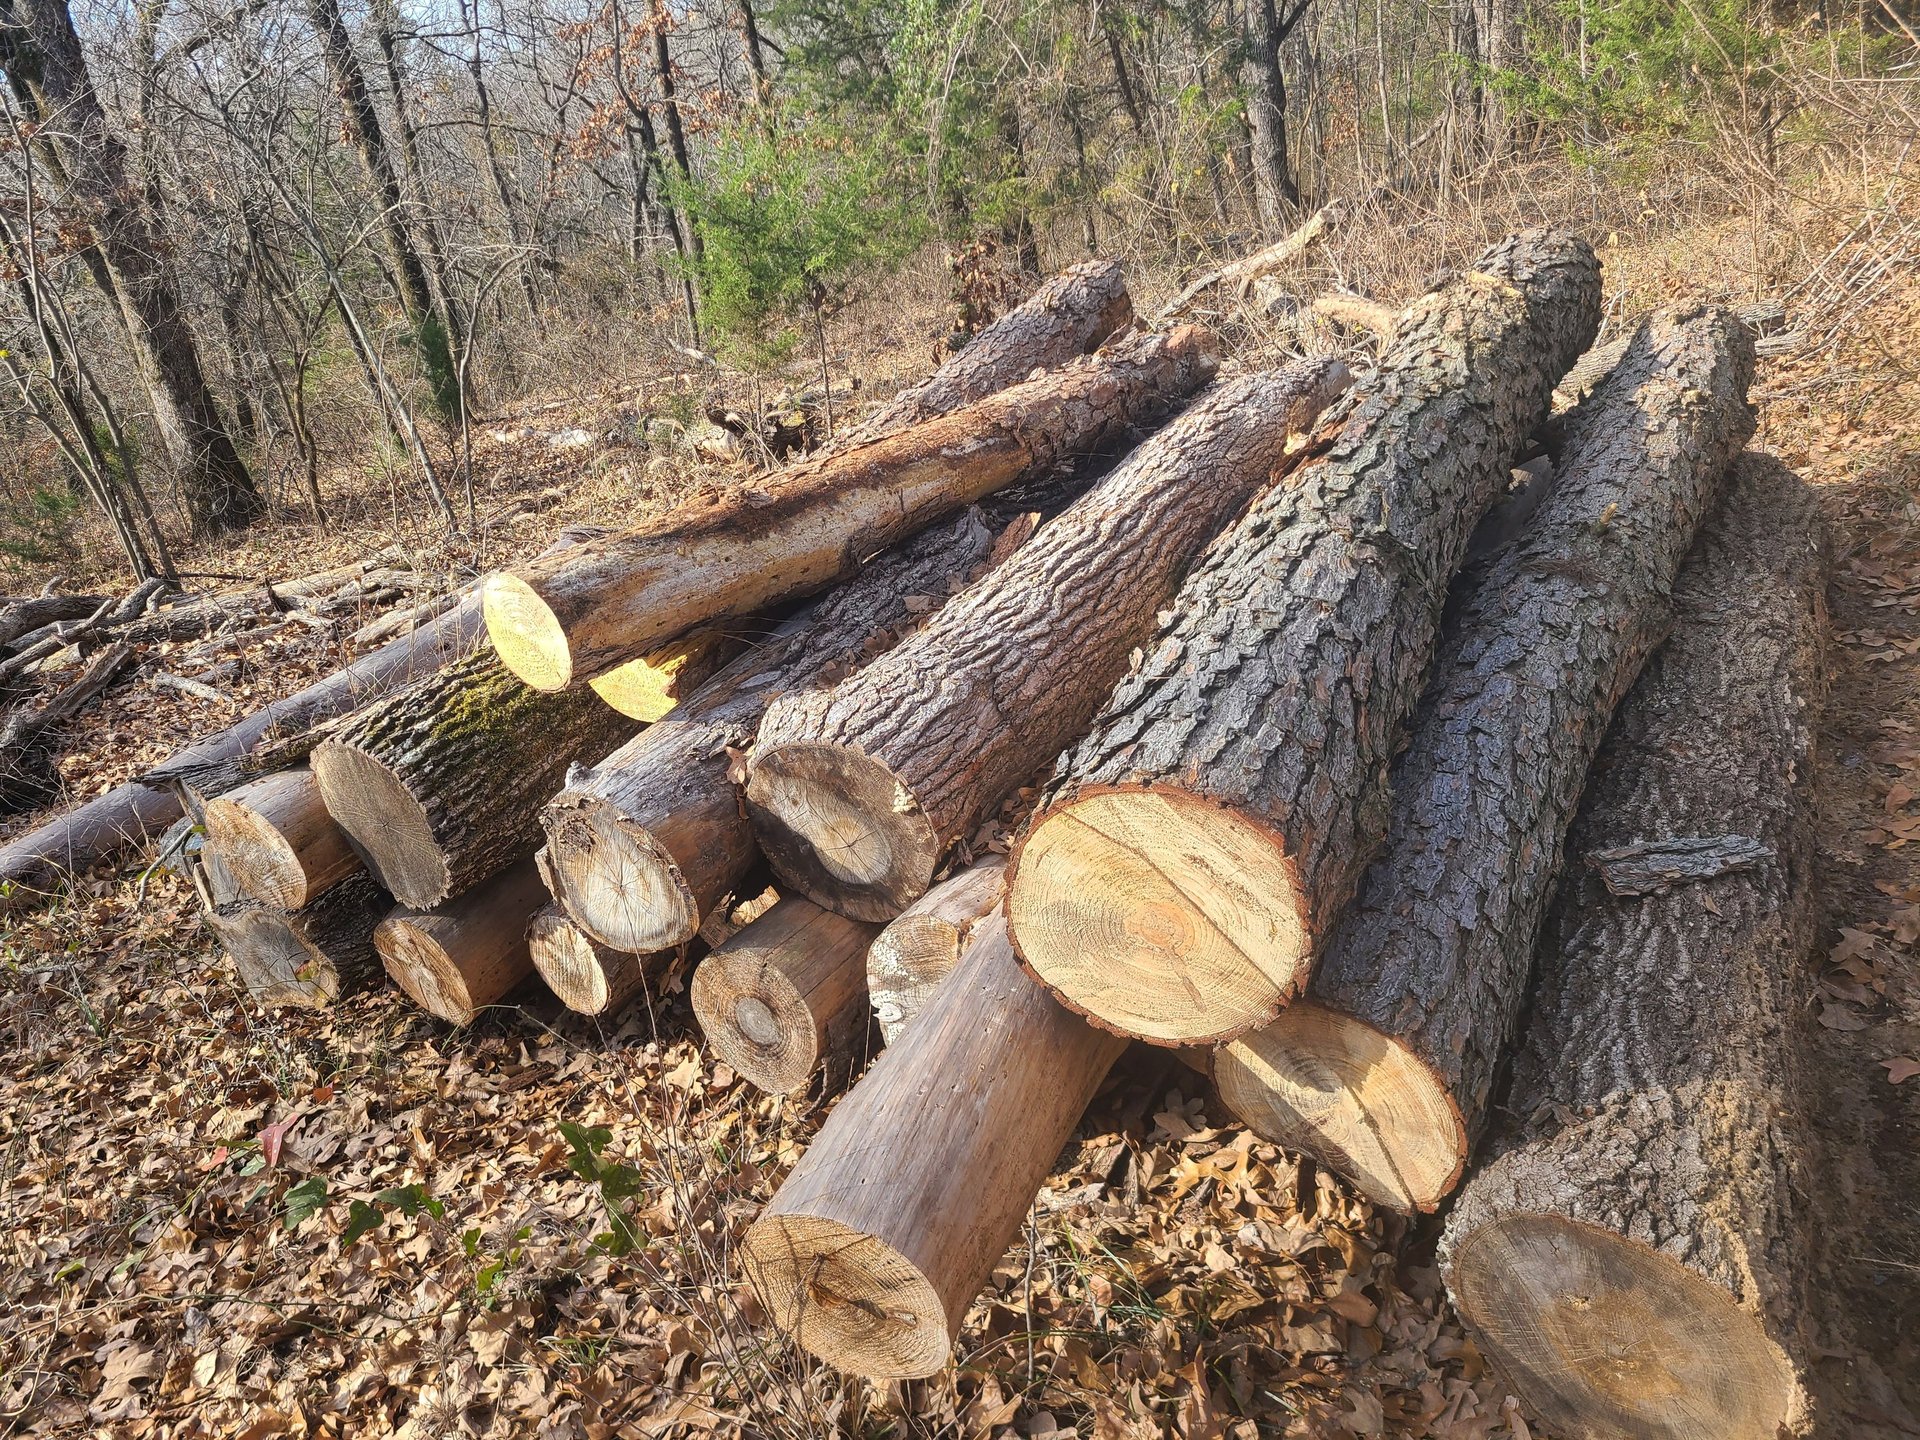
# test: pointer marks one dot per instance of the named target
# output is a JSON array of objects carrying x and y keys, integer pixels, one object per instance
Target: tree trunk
[
  {"x": 458, "y": 958},
  {"x": 561, "y": 623},
  {"x": 277, "y": 841},
  {"x": 1383, "y": 1070},
  {"x": 924, "y": 943},
  {"x": 441, "y": 785},
  {"x": 1634, "y": 1255},
  {"x": 857, "y": 792},
  {"x": 1198, "y": 844},
  {"x": 312, "y": 957},
  {"x": 38, "y": 44},
  {"x": 1273, "y": 187},
  {"x": 591, "y": 978},
  {"x": 893, "y": 1220},
  {"x": 660, "y": 22},
  {"x": 785, "y": 1000}
]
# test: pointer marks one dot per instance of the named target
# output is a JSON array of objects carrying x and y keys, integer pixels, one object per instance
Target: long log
[
  {"x": 274, "y": 837},
  {"x": 1634, "y": 1256},
  {"x": 921, "y": 946},
  {"x": 560, "y": 622},
  {"x": 1196, "y": 846},
  {"x": 441, "y": 785},
  {"x": 858, "y": 791},
  {"x": 641, "y": 846},
  {"x": 312, "y": 957},
  {"x": 785, "y": 1000},
  {"x": 590, "y": 978},
  {"x": 878, "y": 1241},
  {"x": 460, "y": 957},
  {"x": 1383, "y": 1070}
]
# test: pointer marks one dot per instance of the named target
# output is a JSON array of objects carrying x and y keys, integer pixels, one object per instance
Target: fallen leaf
[{"x": 1901, "y": 1069}]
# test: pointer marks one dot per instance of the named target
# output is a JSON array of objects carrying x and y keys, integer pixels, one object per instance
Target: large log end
[
  {"x": 527, "y": 635},
  {"x": 419, "y": 965},
  {"x": 388, "y": 827},
  {"x": 616, "y": 879},
  {"x": 275, "y": 964}
]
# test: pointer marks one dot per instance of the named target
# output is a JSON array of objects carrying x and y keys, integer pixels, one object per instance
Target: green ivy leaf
[
  {"x": 362, "y": 1219},
  {"x": 305, "y": 1200}
]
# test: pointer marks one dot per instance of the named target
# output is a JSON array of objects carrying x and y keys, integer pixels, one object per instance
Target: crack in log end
[
  {"x": 1159, "y": 914},
  {"x": 421, "y": 968},
  {"x": 527, "y": 636},
  {"x": 616, "y": 879}
]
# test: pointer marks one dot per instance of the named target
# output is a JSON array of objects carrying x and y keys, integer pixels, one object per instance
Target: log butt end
[
  {"x": 617, "y": 880},
  {"x": 274, "y": 963},
  {"x": 847, "y": 1297},
  {"x": 1159, "y": 914},
  {"x": 258, "y": 857},
  {"x": 909, "y": 960},
  {"x": 386, "y": 825},
  {"x": 589, "y": 979},
  {"x": 1603, "y": 1335},
  {"x": 420, "y": 966},
  {"x": 756, "y": 1020},
  {"x": 526, "y": 634},
  {"x": 840, "y": 828},
  {"x": 648, "y": 688},
  {"x": 1357, "y": 1100}
]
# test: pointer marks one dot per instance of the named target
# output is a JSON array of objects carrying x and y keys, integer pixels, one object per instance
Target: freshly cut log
[
  {"x": 459, "y": 958},
  {"x": 858, "y": 791},
  {"x": 560, "y": 622},
  {"x": 641, "y": 846},
  {"x": 311, "y": 957},
  {"x": 276, "y": 840},
  {"x": 441, "y": 785},
  {"x": 1197, "y": 845},
  {"x": 1634, "y": 1254},
  {"x": 588, "y": 977},
  {"x": 648, "y": 688},
  {"x": 893, "y": 1220},
  {"x": 923, "y": 944},
  {"x": 1383, "y": 1069},
  {"x": 786, "y": 999}
]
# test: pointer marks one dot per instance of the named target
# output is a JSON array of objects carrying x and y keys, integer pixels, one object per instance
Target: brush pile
[{"x": 1081, "y": 699}]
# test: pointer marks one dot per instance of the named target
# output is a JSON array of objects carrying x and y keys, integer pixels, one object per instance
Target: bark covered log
[
  {"x": 274, "y": 837},
  {"x": 441, "y": 785},
  {"x": 468, "y": 953},
  {"x": 1634, "y": 1253},
  {"x": 1197, "y": 845},
  {"x": 311, "y": 957},
  {"x": 785, "y": 1001},
  {"x": 1383, "y": 1069},
  {"x": 882, "y": 1236},
  {"x": 858, "y": 791},
  {"x": 921, "y": 946},
  {"x": 560, "y": 622}
]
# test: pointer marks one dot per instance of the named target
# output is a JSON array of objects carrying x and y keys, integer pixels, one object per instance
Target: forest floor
[{"x": 182, "y": 1173}]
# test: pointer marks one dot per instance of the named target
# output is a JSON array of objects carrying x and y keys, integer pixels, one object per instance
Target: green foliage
[
  {"x": 435, "y": 351},
  {"x": 38, "y": 528},
  {"x": 616, "y": 1182},
  {"x": 305, "y": 1200},
  {"x": 363, "y": 1218},
  {"x": 788, "y": 221}
]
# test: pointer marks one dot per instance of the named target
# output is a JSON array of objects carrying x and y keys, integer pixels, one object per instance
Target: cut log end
[
  {"x": 275, "y": 963},
  {"x": 259, "y": 858},
  {"x": 649, "y": 688},
  {"x": 847, "y": 1297},
  {"x": 756, "y": 1020},
  {"x": 274, "y": 838},
  {"x": 1605, "y": 1335},
  {"x": 617, "y": 880},
  {"x": 1160, "y": 915},
  {"x": 588, "y": 978},
  {"x": 840, "y": 828},
  {"x": 914, "y": 955},
  {"x": 1358, "y": 1101},
  {"x": 387, "y": 826},
  {"x": 527, "y": 636},
  {"x": 421, "y": 966}
]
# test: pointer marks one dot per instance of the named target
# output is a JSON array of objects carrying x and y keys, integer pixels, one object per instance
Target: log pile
[{"x": 1080, "y": 698}]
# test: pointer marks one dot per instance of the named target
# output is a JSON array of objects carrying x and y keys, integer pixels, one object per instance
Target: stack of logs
[{"x": 1298, "y": 693}]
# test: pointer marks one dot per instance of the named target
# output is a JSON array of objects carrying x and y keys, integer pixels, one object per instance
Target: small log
[
  {"x": 440, "y": 786},
  {"x": 407, "y": 617},
  {"x": 647, "y": 689},
  {"x": 882, "y": 1236},
  {"x": 857, "y": 792},
  {"x": 1243, "y": 272},
  {"x": 275, "y": 838},
  {"x": 462, "y": 956},
  {"x": 312, "y": 957},
  {"x": 1197, "y": 845},
  {"x": 1384, "y": 1069},
  {"x": 921, "y": 946},
  {"x": 1635, "y": 1253},
  {"x": 588, "y": 977},
  {"x": 560, "y": 622},
  {"x": 23, "y": 617}
]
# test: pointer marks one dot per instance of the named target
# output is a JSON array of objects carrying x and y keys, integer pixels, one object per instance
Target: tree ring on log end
[
  {"x": 1162, "y": 915},
  {"x": 275, "y": 965},
  {"x": 840, "y": 827},
  {"x": 1355, "y": 1099},
  {"x": 1602, "y": 1335},
  {"x": 527, "y": 636},
  {"x": 384, "y": 823},
  {"x": 568, "y": 963},
  {"x": 420, "y": 967},
  {"x": 848, "y": 1297},
  {"x": 617, "y": 881},
  {"x": 256, "y": 854},
  {"x": 756, "y": 1020}
]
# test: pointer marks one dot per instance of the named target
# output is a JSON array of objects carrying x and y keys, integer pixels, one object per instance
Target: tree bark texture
[
  {"x": 311, "y": 957},
  {"x": 468, "y": 953},
  {"x": 882, "y": 1236},
  {"x": 276, "y": 840},
  {"x": 1383, "y": 1070},
  {"x": 924, "y": 943},
  {"x": 858, "y": 791},
  {"x": 561, "y": 622},
  {"x": 1633, "y": 1254},
  {"x": 440, "y": 785},
  {"x": 1197, "y": 845}
]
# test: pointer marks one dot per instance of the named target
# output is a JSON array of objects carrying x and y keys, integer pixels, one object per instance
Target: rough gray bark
[
  {"x": 311, "y": 957},
  {"x": 1199, "y": 842},
  {"x": 1649, "y": 1162},
  {"x": 1427, "y": 968},
  {"x": 858, "y": 791}
]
